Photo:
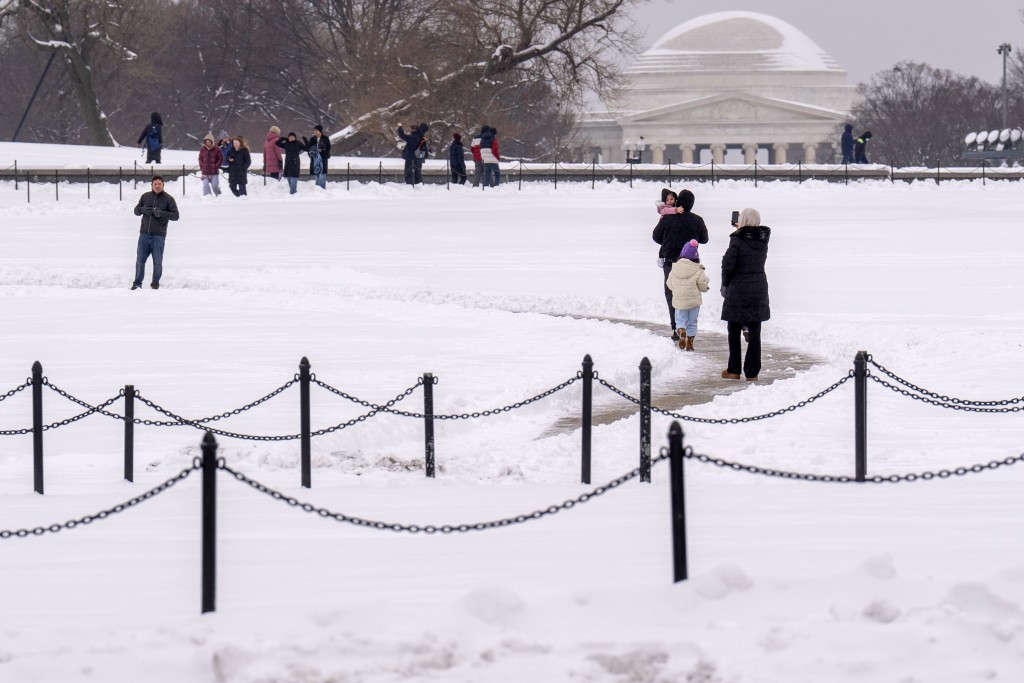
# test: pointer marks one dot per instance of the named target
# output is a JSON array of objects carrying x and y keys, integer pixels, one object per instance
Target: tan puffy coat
[{"x": 686, "y": 280}]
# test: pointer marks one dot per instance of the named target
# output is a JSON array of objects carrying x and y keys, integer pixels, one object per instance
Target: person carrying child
[{"x": 687, "y": 280}]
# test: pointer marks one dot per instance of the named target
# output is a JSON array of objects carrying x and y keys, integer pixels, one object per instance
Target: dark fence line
[
  {"x": 676, "y": 453},
  {"x": 587, "y": 375},
  {"x": 516, "y": 171}
]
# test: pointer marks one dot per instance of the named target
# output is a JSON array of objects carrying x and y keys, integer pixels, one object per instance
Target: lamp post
[
  {"x": 635, "y": 153},
  {"x": 1004, "y": 50}
]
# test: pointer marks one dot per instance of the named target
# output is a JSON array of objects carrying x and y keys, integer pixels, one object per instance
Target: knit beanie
[
  {"x": 275, "y": 130},
  {"x": 457, "y": 137},
  {"x": 690, "y": 251}
]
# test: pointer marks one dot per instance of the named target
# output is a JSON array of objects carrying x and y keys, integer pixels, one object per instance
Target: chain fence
[
  {"x": 844, "y": 479},
  {"x": 15, "y": 390},
  {"x": 941, "y": 399},
  {"x": 728, "y": 420},
  {"x": 103, "y": 514},
  {"x": 429, "y": 528}
]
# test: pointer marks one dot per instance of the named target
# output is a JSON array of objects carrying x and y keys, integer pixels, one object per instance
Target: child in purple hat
[{"x": 687, "y": 280}]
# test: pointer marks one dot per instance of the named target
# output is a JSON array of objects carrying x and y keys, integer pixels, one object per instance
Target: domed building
[{"x": 728, "y": 80}]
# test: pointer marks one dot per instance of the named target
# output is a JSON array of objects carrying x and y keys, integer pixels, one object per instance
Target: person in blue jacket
[
  {"x": 152, "y": 138},
  {"x": 457, "y": 160},
  {"x": 846, "y": 144}
]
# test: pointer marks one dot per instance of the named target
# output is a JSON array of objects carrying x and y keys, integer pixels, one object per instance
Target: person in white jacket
[{"x": 687, "y": 280}]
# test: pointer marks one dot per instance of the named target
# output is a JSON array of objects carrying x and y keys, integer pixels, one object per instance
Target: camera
[{"x": 735, "y": 218}]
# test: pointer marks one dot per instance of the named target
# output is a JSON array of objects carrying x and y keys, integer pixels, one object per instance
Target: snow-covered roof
[{"x": 735, "y": 41}]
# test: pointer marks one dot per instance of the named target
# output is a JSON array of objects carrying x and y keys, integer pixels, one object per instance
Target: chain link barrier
[
  {"x": 103, "y": 514},
  {"x": 429, "y": 528},
  {"x": 453, "y": 416},
  {"x": 236, "y": 411},
  {"x": 945, "y": 401},
  {"x": 844, "y": 479},
  {"x": 12, "y": 392},
  {"x": 90, "y": 409},
  {"x": 728, "y": 420},
  {"x": 386, "y": 408},
  {"x": 941, "y": 404}
]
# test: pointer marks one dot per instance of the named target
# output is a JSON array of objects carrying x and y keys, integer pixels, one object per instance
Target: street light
[
  {"x": 1004, "y": 50},
  {"x": 635, "y": 153}
]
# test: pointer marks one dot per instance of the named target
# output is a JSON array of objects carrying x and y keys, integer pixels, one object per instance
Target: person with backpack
[
  {"x": 319, "y": 149},
  {"x": 239, "y": 161},
  {"x": 152, "y": 138},
  {"x": 210, "y": 158},
  {"x": 292, "y": 160},
  {"x": 414, "y": 153},
  {"x": 457, "y": 160}
]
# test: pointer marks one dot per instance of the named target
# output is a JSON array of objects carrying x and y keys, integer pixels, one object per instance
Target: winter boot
[
  {"x": 682, "y": 337},
  {"x": 689, "y": 343},
  {"x": 730, "y": 375}
]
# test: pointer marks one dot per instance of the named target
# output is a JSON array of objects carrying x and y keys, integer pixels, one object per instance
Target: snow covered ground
[{"x": 790, "y": 581}]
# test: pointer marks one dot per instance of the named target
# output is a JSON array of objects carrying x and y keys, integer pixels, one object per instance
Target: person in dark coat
[
  {"x": 414, "y": 152},
  {"x": 457, "y": 160},
  {"x": 860, "y": 149},
  {"x": 239, "y": 161},
  {"x": 846, "y": 144},
  {"x": 319, "y": 149},
  {"x": 156, "y": 208},
  {"x": 672, "y": 233},
  {"x": 293, "y": 150},
  {"x": 152, "y": 138},
  {"x": 745, "y": 290}
]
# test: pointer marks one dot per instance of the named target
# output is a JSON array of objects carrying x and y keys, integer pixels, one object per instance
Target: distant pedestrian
[
  {"x": 687, "y": 280},
  {"x": 490, "y": 155},
  {"x": 152, "y": 138},
  {"x": 478, "y": 162},
  {"x": 239, "y": 161},
  {"x": 672, "y": 232},
  {"x": 745, "y": 290},
  {"x": 292, "y": 160},
  {"x": 319, "y": 149},
  {"x": 414, "y": 153},
  {"x": 860, "y": 149},
  {"x": 272, "y": 153},
  {"x": 457, "y": 159},
  {"x": 210, "y": 158},
  {"x": 225, "y": 146},
  {"x": 846, "y": 144},
  {"x": 156, "y": 208}
]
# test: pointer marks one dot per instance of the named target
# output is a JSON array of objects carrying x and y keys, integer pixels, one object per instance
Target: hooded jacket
[
  {"x": 413, "y": 140},
  {"x": 239, "y": 161},
  {"x": 271, "y": 153},
  {"x": 743, "y": 278},
  {"x": 489, "y": 153},
  {"x": 210, "y": 158},
  {"x": 846, "y": 143},
  {"x": 154, "y": 122},
  {"x": 687, "y": 280},
  {"x": 860, "y": 154},
  {"x": 292, "y": 156}
]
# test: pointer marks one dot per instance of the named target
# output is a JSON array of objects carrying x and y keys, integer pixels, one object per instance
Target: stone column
[
  {"x": 810, "y": 152},
  {"x": 779, "y": 156},
  {"x": 718, "y": 153},
  {"x": 687, "y": 149},
  {"x": 749, "y": 152},
  {"x": 657, "y": 153}
]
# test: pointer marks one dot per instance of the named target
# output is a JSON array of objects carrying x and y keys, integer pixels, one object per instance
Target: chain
[
  {"x": 378, "y": 408},
  {"x": 731, "y": 420},
  {"x": 940, "y": 397},
  {"x": 60, "y": 423},
  {"x": 103, "y": 514},
  {"x": 941, "y": 404},
  {"x": 248, "y": 406},
  {"x": 431, "y": 529},
  {"x": 12, "y": 392},
  {"x": 843, "y": 479}
]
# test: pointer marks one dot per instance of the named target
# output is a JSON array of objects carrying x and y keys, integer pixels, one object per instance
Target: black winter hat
[
  {"x": 686, "y": 200},
  {"x": 457, "y": 137},
  {"x": 318, "y": 127},
  {"x": 424, "y": 128},
  {"x": 292, "y": 135},
  {"x": 867, "y": 135}
]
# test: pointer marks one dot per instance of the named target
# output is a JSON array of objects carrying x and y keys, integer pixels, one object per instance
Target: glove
[
  {"x": 147, "y": 210},
  {"x": 157, "y": 213}
]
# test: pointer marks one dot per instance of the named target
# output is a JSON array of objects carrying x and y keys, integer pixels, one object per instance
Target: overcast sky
[{"x": 868, "y": 36}]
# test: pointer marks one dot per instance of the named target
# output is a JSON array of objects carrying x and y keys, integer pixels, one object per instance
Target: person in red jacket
[
  {"x": 478, "y": 161},
  {"x": 210, "y": 159}
]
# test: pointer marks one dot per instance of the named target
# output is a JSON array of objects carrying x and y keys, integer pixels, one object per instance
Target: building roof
[{"x": 735, "y": 41}]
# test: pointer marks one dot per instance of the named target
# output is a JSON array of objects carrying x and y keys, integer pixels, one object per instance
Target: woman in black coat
[
  {"x": 745, "y": 289},
  {"x": 238, "y": 166},
  {"x": 292, "y": 160}
]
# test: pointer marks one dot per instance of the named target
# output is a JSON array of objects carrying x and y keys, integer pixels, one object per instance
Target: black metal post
[
  {"x": 799, "y": 172},
  {"x": 860, "y": 417},
  {"x": 645, "y": 420},
  {"x": 755, "y": 172},
  {"x": 630, "y": 170},
  {"x": 120, "y": 191},
  {"x": 37, "y": 427},
  {"x": 304, "y": 439},
  {"x": 593, "y": 173},
  {"x": 448, "y": 174},
  {"x": 938, "y": 173},
  {"x": 135, "y": 175},
  {"x": 846, "y": 166},
  {"x": 588, "y": 393},
  {"x": 129, "y": 432},
  {"x": 183, "y": 180},
  {"x": 712, "y": 170},
  {"x": 428, "y": 422},
  {"x": 892, "y": 173},
  {"x": 15, "y": 174},
  {"x": 209, "y": 523},
  {"x": 88, "y": 183},
  {"x": 670, "y": 172},
  {"x": 56, "y": 185},
  {"x": 264, "y": 174},
  {"x": 28, "y": 188},
  {"x": 677, "y": 478},
  {"x": 348, "y": 176},
  {"x": 982, "y": 174},
  {"x": 520, "y": 175},
  {"x": 556, "y": 173},
  {"x": 380, "y": 173}
]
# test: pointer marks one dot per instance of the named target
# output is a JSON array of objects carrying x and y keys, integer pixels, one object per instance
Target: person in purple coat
[{"x": 272, "y": 153}]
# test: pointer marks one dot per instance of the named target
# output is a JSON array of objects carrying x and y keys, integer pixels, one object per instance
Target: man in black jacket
[
  {"x": 156, "y": 208},
  {"x": 672, "y": 232},
  {"x": 414, "y": 153}
]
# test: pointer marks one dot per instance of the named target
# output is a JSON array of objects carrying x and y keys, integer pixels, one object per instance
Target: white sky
[{"x": 871, "y": 35}]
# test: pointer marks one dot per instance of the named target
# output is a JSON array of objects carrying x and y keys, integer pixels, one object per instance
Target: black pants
[
  {"x": 237, "y": 189},
  {"x": 413, "y": 171},
  {"x": 459, "y": 177},
  {"x": 152, "y": 156},
  {"x": 752, "y": 361},
  {"x": 668, "y": 297}
]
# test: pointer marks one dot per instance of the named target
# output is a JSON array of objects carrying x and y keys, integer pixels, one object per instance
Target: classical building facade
[{"x": 729, "y": 80}]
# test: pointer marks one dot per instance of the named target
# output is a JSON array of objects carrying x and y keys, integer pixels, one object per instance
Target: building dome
[{"x": 735, "y": 41}]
